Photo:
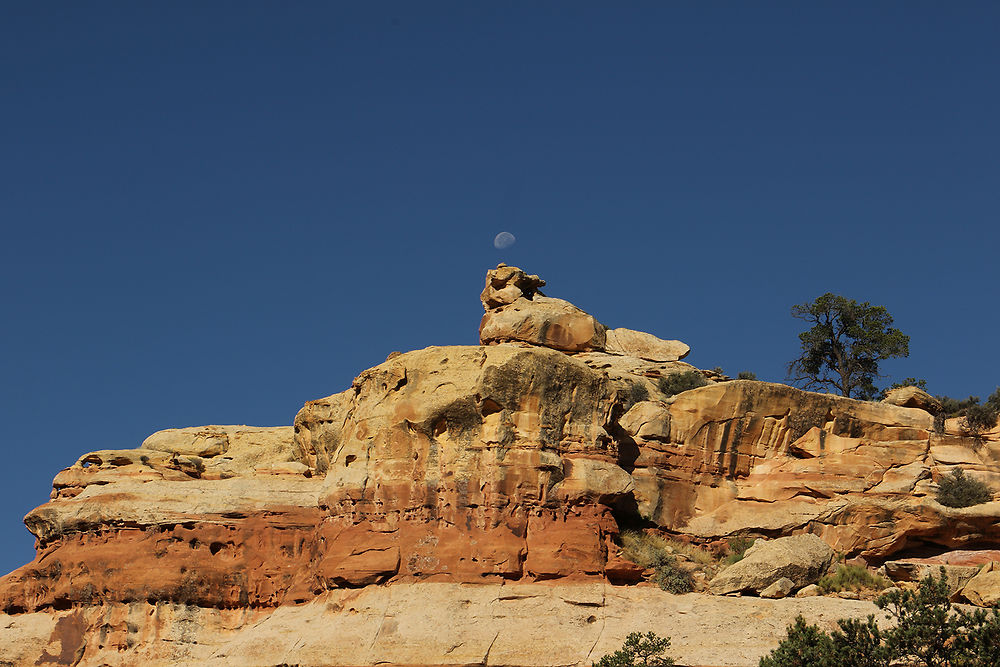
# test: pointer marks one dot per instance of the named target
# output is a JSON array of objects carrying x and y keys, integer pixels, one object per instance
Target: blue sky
[{"x": 213, "y": 212}]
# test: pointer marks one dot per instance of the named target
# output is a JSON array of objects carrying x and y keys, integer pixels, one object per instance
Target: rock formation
[{"x": 504, "y": 466}]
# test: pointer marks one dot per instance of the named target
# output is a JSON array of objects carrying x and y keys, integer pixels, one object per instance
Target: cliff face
[{"x": 512, "y": 462}]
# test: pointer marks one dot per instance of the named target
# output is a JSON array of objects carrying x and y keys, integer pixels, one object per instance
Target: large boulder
[
  {"x": 517, "y": 312},
  {"x": 629, "y": 343},
  {"x": 984, "y": 588},
  {"x": 912, "y": 397},
  {"x": 801, "y": 558},
  {"x": 543, "y": 321}
]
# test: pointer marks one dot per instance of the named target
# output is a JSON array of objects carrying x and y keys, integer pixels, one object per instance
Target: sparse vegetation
[
  {"x": 746, "y": 375},
  {"x": 639, "y": 650},
  {"x": 737, "y": 547},
  {"x": 977, "y": 417},
  {"x": 907, "y": 382},
  {"x": 676, "y": 383},
  {"x": 928, "y": 632},
  {"x": 957, "y": 490},
  {"x": 852, "y": 578},
  {"x": 637, "y": 393},
  {"x": 657, "y": 553}
]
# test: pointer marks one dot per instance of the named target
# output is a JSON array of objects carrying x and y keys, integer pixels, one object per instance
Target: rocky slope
[{"x": 474, "y": 478}]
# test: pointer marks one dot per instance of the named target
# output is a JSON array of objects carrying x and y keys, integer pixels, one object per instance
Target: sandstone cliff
[{"x": 487, "y": 470}]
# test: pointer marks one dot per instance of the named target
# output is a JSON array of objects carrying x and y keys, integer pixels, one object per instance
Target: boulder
[
  {"x": 543, "y": 321},
  {"x": 983, "y": 589},
  {"x": 517, "y": 312},
  {"x": 779, "y": 589},
  {"x": 592, "y": 480},
  {"x": 812, "y": 590},
  {"x": 629, "y": 343},
  {"x": 912, "y": 397},
  {"x": 647, "y": 420},
  {"x": 801, "y": 558},
  {"x": 506, "y": 284}
]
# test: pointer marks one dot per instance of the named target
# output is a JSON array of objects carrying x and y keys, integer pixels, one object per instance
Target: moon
[{"x": 503, "y": 240}]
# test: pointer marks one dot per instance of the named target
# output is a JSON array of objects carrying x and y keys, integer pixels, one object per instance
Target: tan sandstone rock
[
  {"x": 802, "y": 559},
  {"x": 498, "y": 624},
  {"x": 629, "y": 343},
  {"x": 779, "y": 589},
  {"x": 912, "y": 397},
  {"x": 983, "y": 589},
  {"x": 543, "y": 321}
]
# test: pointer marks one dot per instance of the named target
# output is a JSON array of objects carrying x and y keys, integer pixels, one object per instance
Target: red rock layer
[{"x": 265, "y": 561}]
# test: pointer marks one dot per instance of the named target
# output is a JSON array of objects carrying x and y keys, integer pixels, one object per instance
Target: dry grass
[{"x": 852, "y": 578}]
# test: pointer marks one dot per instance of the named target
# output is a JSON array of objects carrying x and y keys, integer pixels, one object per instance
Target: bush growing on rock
[
  {"x": 907, "y": 382},
  {"x": 852, "y": 578},
  {"x": 928, "y": 632},
  {"x": 639, "y": 650},
  {"x": 649, "y": 551},
  {"x": 957, "y": 490},
  {"x": 675, "y": 383}
]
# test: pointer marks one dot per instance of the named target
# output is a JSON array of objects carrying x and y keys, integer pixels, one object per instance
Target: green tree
[
  {"x": 844, "y": 346},
  {"x": 928, "y": 632},
  {"x": 639, "y": 650}
]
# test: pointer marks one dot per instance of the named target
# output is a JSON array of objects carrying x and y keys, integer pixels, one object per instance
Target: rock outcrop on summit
[{"x": 510, "y": 463}]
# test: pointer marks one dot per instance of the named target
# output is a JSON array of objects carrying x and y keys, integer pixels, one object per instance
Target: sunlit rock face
[{"x": 512, "y": 462}]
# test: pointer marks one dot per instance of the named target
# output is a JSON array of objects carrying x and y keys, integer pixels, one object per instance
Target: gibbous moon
[{"x": 503, "y": 240}]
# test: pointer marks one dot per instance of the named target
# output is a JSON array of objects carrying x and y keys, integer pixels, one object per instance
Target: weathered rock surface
[
  {"x": 517, "y": 312},
  {"x": 429, "y": 624},
  {"x": 779, "y": 589},
  {"x": 917, "y": 569},
  {"x": 912, "y": 397},
  {"x": 543, "y": 321},
  {"x": 513, "y": 462},
  {"x": 640, "y": 344},
  {"x": 983, "y": 589},
  {"x": 800, "y": 559}
]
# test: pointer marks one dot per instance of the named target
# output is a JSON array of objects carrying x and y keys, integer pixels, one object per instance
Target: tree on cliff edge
[{"x": 843, "y": 348}]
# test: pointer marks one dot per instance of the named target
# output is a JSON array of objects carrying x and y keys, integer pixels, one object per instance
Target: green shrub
[
  {"x": 639, "y": 650},
  {"x": 908, "y": 382},
  {"x": 737, "y": 547},
  {"x": 651, "y": 551},
  {"x": 957, "y": 490},
  {"x": 673, "y": 578},
  {"x": 852, "y": 578},
  {"x": 979, "y": 418},
  {"x": 953, "y": 407},
  {"x": 675, "y": 383},
  {"x": 746, "y": 375},
  {"x": 928, "y": 632}
]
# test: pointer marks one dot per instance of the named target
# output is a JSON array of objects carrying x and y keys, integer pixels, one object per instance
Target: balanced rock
[
  {"x": 913, "y": 397},
  {"x": 517, "y": 312},
  {"x": 802, "y": 559},
  {"x": 506, "y": 284}
]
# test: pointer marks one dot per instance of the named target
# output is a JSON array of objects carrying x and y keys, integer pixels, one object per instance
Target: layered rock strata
[{"x": 512, "y": 462}]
